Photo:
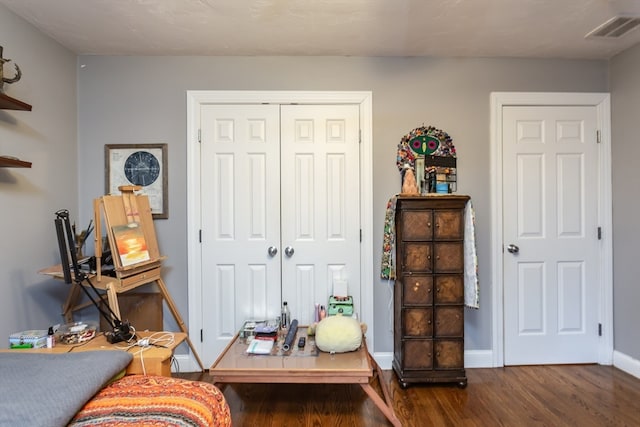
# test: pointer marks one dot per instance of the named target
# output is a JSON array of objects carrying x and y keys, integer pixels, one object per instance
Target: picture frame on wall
[{"x": 139, "y": 164}]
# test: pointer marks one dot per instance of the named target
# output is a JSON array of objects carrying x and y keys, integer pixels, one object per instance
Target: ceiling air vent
[{"x": 615, "y": 27}]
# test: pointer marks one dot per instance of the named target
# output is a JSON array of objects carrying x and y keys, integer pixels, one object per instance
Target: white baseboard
[
  {"x": 383, "y": 359},
  {"x": 626, "y": 363},
  {"x": 478, "y": 359},
  {"x": 472, "y": 359}
]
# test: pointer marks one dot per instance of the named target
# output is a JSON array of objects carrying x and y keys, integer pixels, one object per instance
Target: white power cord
[{"x": 157, "y": 339}]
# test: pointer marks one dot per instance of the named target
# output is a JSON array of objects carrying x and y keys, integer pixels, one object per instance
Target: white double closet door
[{"x": 279, "y": 212}]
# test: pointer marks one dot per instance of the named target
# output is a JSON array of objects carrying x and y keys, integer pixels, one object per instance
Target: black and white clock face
[{"x": 142, "y": 168}]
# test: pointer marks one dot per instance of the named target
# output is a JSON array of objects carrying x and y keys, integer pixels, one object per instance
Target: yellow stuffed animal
[{"x": 338, "y": 334}]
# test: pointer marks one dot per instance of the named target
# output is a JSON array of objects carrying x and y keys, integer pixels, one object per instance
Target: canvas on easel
[
  {"x": 130, "y": 243},
  {"x": 120, "y": 212}
]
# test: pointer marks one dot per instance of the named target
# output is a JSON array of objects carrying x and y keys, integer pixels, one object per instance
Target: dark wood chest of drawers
[{"x": 429, "y": 290}]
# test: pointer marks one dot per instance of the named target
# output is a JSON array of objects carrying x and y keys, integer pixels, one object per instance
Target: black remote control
[{"x": 301, "y": 342}]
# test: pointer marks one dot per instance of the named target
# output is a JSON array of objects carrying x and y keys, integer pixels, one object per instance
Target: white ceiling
[{"x": 484, "y": 28}]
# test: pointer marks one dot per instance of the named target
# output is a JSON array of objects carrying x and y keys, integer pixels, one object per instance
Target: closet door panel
[
  {"x": 320, "y": 205},
  {"x": 240, "y": 218}
]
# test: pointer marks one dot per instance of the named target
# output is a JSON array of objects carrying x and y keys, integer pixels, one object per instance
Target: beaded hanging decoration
[{"x": 424, "y": 141}]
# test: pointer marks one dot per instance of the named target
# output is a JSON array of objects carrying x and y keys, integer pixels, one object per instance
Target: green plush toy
[{"x": 338, "y": 334}]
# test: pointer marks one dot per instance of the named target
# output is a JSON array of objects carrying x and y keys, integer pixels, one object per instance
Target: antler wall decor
[{"x": 3, "y": 79}]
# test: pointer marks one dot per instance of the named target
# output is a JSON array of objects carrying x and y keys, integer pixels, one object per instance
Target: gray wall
[
  {"x": 47, "y": 137},
  {"x": 142, "y": 100},
  {"x": 625, "y": 151}
]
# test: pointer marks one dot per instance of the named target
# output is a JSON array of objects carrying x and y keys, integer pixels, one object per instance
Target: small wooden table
[
  {"x": 234, "y": 365},
  {"x": 113, "y": 286},
  {"x": 152, "y": 361}
]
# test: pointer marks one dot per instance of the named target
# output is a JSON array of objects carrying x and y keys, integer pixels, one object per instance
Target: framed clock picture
[{"x": 139, "y": 164}]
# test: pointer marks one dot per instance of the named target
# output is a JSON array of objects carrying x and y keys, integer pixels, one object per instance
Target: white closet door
[
  {"x": 320, "y": 204},
  {"x": 240, "y": 181},
  {"x": 550, "y": 215},
  {"x": 284, "y": 178}
]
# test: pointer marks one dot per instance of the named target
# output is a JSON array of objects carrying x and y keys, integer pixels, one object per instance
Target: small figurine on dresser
[{"x": 409, "y": 184}]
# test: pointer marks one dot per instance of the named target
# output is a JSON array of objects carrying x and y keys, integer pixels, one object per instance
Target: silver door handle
[
  {"x": 288, "y": 251},
  {"x": 513, "y": 249},
  {"x": 272, "y": 251}
]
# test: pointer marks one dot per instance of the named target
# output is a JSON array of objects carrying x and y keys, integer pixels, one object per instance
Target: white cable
[
  {"x": 144, "y": 369},
  {"x": 132, "y": 331},
  {"x": 130, "y": 341},
  {"x": 161, "y": 339},
  {"x": 126, "y": 347},
  {"x": 157, "y": 339},
  {"x": 140, "y": 352}
]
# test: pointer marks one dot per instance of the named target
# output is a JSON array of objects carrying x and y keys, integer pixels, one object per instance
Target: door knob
[
  {"x": 513, "y": 249},
  {"x": 272, "y": 251},
  {"x": 288, "y": 251}
]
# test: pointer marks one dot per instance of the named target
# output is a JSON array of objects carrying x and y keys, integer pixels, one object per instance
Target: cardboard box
[{"x": 143, "y": 310}]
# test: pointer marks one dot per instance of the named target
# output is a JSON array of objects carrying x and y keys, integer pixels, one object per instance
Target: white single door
[
  {"x": 551, "y": 273},
  {"x": 240, "y": 208},
  {"x": 280, "y": 212},
  {"x": 320, "y": 205}
]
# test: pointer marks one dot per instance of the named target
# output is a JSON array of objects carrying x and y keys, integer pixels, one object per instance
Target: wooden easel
[{"x": 123, "y": 210}]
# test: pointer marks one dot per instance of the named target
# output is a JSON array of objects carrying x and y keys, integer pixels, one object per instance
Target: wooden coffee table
[{"x": 357, "y": 367}]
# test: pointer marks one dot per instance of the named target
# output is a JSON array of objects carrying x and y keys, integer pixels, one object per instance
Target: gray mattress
[{"x": 38, "y": 389}]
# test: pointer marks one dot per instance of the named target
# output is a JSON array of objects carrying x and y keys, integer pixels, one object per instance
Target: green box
[{"x": 341, "y": 306}]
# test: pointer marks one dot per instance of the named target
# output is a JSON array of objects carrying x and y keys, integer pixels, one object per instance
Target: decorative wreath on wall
[{"x": 424, "y": 141}]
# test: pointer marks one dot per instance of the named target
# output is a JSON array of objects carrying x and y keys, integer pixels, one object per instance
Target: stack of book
[
  {"x": 260, "y": 328},
  {"x": 267, "y": 330}
]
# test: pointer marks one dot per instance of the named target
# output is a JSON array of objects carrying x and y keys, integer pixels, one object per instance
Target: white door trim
[
  {"x": 194, "y": 100},
  {"x": 605, "y": 301}
]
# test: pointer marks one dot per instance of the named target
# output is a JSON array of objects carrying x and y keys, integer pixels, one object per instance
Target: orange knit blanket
[{"x": 155, "y": 401}]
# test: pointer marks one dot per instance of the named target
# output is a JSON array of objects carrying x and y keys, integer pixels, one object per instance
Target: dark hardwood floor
[{"x": 567, "y": 395}]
